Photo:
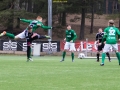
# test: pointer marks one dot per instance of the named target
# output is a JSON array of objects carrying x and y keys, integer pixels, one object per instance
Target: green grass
[{"x": 47, "y": 73}]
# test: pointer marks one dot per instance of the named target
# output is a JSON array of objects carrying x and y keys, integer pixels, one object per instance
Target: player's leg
[
  {"x": 29, "y": 54},
  {"x": 98, "y": 55},
  {"x": 37, "y": 36},
  {"x": 105, "y": 50},
  {"x": 72, "y": 49},
  {"x": 29, "y": 51},
  {"x": 72, "y": 55},
  {"x": 98, "y": 52},
  {"x": 115, "y": 48},
  {"x": 118, "y": 56},
  {"x": 108, "y": 55},
  {"x": 10, "y": 35},
  {"x": 66, "y": 47},
  {"x": 22, "y": 35},
  {"x": 63, "y": 55}
]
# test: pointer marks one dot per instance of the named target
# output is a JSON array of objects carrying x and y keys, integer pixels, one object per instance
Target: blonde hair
[
  {"x": 111, "y": 22},
  {"x": 39, "y": 17}
]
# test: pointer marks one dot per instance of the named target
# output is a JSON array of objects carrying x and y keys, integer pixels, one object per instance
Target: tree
[
  {"x": 29, "y": 9},
  {"x": 82, "y": 20},
  {"x": 7, "y": 13},
  {"x": 92, "y": 16},
  {"x": 107, "y": 6},
  {"x": 93, "y": 4},
  {"x": 61, "y": 9},
  {"x": 11, "y": 17}
]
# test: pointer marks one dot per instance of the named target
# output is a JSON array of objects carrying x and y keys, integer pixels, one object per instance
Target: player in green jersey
[
  {"x": 69, "y": 45},
  {"x": 111, "y": 33},
  {"x": 35, "y": 24},
  {"x": 28, "y": 33}
]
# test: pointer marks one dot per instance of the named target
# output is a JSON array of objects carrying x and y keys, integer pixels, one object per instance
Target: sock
[
  {"x": 103, "y": 57},
  {"x": 28, "y": 52},
  {"x": 118, "y": 56},
  {"x": 12, "y": 36},
  {"x": 98, "y": 56},
  {"x": 108, "y": 55},
  {"x": 72, "y": 55},
  {"x": 63, "y": 55}
]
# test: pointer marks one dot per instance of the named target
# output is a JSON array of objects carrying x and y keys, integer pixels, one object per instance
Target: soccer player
[
  {"x": 69, "y": 45},
  {"x": 111, "y": 40},
  {"x": 32, "y": 36},
  {"x": 99, "y": 37},
  {"x": 35, "y": 24}
]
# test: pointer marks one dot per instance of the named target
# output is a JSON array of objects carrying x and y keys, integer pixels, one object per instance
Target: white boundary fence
[{"x": 90, "y": 49}]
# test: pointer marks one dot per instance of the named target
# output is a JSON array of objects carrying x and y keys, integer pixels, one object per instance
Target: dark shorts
[{"x": 100, "y": 47}]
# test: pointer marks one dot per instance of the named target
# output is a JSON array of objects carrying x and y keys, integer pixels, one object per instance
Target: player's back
[
  {"x": 111, "y": 33},
  {"x": 34, "y": 24}
]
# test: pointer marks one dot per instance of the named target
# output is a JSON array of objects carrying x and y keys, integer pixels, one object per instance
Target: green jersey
[
  {"x": 70, "y": 35},
  {"x": 111, "y": 34},
  {"x": 35, "y": 24}
]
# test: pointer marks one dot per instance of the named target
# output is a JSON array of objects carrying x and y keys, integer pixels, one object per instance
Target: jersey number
[{"x": 111, "y": 32}]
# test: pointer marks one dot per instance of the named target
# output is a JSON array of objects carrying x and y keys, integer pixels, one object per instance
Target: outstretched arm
[
  {"x": 118, "y": 32},
  {"x": 45, "y": 27},
  {"x": 105, "y": 36},
  {"x": 25, "y": 20},
  {"x": 75, "y": 36}
]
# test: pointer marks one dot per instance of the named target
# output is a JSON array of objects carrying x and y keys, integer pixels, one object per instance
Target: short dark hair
[{"x": 29, "y": 27}]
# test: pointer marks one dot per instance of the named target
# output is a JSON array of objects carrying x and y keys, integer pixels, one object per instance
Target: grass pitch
[{"x": 47, "y": 73}]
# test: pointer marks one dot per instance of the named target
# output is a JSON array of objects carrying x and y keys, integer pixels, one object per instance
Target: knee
[
  {"x": 72, "y": 51},
  {"x": 16, "y": 37},
  {"x": 116, "y": 51},
  {"x": 65, "y": 50}
]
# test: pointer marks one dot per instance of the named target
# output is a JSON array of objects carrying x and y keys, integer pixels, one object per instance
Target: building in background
[{"x": 111, "y": 6}]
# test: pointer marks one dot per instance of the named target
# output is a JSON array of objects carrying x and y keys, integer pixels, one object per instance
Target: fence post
[{"x": 86, "y": 47}]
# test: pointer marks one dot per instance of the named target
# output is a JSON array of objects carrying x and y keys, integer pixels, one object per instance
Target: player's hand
[
  {"x": 105, "y": 42},
  {"x": 34, "y": 34},
  {"x": 65, "y": 39},
  {"x": 99, "y": 44},
  {"x": 71, "y": 41},
  {"x": 97, "y": 41},
  {"x": 18, "y": 18},
  {"x": 52, "y": 27}
]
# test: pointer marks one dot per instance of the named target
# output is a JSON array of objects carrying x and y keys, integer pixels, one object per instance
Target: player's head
[
  {"x": 68, "y": 27},
  {"x": 100, "y": 30},
  {"x": 111, "y": 22},
  {"x": 39, "y": 18},
  {"x": 29, "y": 29}
]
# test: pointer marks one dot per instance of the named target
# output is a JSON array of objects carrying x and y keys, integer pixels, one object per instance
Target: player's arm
[
  {"x": 46, "y": 27},
  {"x": 97, "y": 40},
  {"x": 25, "y": 20},
  {"x": 118, "y": 33},
  {"x": 64, "y": 39},
  {"x": 74, "y": 36},
  {"x": 105, "y": 36},
  {"x": 118, "y": 37},
  {"x": 43, "y": 26}
]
